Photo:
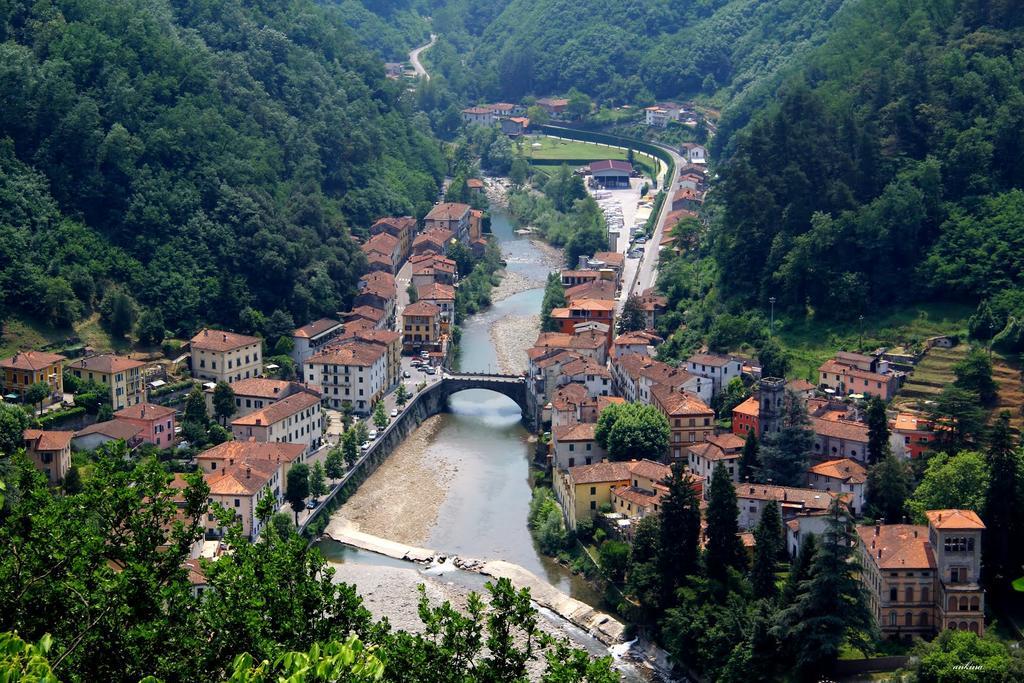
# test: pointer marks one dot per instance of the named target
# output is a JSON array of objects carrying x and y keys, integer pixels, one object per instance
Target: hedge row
[{"x": 58, "y": 416}]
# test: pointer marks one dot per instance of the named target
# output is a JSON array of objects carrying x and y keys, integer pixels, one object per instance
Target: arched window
[
  {"x": 909, "y": 594},
  {"x": 952, "y": 605},
  {"x": 908, "y": 618},
  {"x": 975, "y": 604},
  {"x": 974, "y": 627},
  {"x": 963, "y": 604},
  {"x": 963, "y": 626},
  {"x": 924, "y": 594},
  {"x": 923, "y": 619}
]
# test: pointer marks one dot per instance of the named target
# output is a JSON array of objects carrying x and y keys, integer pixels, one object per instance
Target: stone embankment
[{"x": 602, "y": 626}]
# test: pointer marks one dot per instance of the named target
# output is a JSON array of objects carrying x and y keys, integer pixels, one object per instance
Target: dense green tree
[
  {"x": 784, "y": 454},
  {"x": 736, "y": 392},
  {"x": 554, "y": 297},
  {"x": 878, "y": 429},
  {"x": 586, "y": 241},
  {"x": 962, "y": 420},
  {"x": 223, "y": 402},
  {"x": 768, "y": 546},
  {"x": 36, "y": 393},
  {"x": 151, "y": 328},
  {"x": 974, "y": 374},
  {"x": 401, "y": 395},
  {"x": 579, "y": 105},
  {"x": 644, "y": 581},
  {"x": 750, "y": 461},
  {"x": 118, "y": 311},
  {"x": 951, "y": 481},
  {"x": 380, "y": 415},
  {"x": 334, "y": 463},
  {"x": 889, "y": 485},
  {"x": 680, "y": 532},
  {"x": 519, "y": 172},
  {"x": 195, "y": 407},
  {"x": 1002, "y": 513},
  {"x": 629, "y": 431},
  {"x": 723, "y": 549},
  {"x": 317, "y": 480},
  {"x": 773, "y": 359},
  {"x": 298, "y": 488},
  {"x": 632, "y": 318},
  {"x": 614, "y": 558},
  {"x": 350, "y": 446},
  {"x": 943, "y": 659},
  {"x": 799, "y": 569},
  {"x": 73, "y": 481},
  {"x": 831, "y": 606}
]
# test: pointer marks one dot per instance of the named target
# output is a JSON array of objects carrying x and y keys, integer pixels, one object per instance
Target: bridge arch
[{"x": 512, "y": 386}]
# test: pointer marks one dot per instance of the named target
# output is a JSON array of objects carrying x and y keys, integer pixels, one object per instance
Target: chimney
[
  {"x": 879, "y": 553},
  {"x": 206, "y": 333},
  {"x": 878, "y": 530},
  {"x": 231, "y": 461},
  {"x": 143, "y": 411},
  {"x": 915, "y": 533},
  {"x": 248, "y": 472},
  {"x": 225, "y": 337}
]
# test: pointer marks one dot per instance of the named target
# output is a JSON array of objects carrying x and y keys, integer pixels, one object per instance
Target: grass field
[
  {"x": 558, "y": 149},
  {"x": 25, "y": 333},
  {"x": 810, "y": 342}
]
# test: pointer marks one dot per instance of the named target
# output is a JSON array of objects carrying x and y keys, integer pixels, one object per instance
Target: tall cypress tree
[
  {"x": 831, "y": 605},
  {"x": 878, "y": 430},
  {"x": 680, "y": 532},
  {"x": 750, "y": 462},
  {"x": 1002, "y": 513},
  {"x": 890, "y": 483},
  {"x": 723, "y": 547},
  {"x": 800, "y": 568},
  {"x": 768, "y": 545}
]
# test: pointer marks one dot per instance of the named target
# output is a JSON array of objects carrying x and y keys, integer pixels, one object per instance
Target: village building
[
  {"x": 295, "y": 419},
  {"x": 584, "y": 490},
  {"x": 686, "y": 199},
  {"x": 847, "y": 376},
  {"x": 745, "y": 418},
  {"x": 377, "y": 317},
  {"x": 309, "y": 339},
  {"x": 389, "y": 340},
  {"x": 720, "y": 450},
  {"x": 95, "y": 435},
  {"x": 450, "y": 216},
  {"x": 442, "y": 296},
  {"x": 592, "y": 375},
  {"x": 653, "y": 305},
  {"x": 921, "y": 579},
  {"x": 555, "y": 106},
  {"x": 432, "y": 241},
  {"x": 515, "y": 126},
  {"x": 636, "y": 374},
  {"x": 387, "y": 248},
  {"x": 639, "y": 343},
  {"x": 585, "y": 310},
  {"x": 591, "y": 289},
  {"x": 911, "y": 435},
  {"x": 575, "y": 444},
  {"x": 611, "y": 173},
  {"x": 718, "y": 368},
  {"x": 354, "y": 374},
  {"x": 694, "y": 153},
  {"x": 240, "y": 487},
  {"x": 378, "y": 290},
  {"x": 843, "y": 438},
  {"x": 156, "y": 423},
  {"x": 26, "y": 368},
  {"x": 421, "y": 327},
  {"x": 643, "y": 495},
  {"x": 403, "y": 228},
  {"x": 793, "y": 502},
  {"x": 568, "y": 403},
  {"x": 841, "y": 476},
  {"x": 543, "y": 370},
  {"x": 121, "y": 376},
  {"x": 479, "y": 116},
  {"x": 659, "y": 115},
  {"x": 220, "y": 356},
  {"x": 50, "y": 452},
  {"x": 689, "y": 418},
  {"x": 430, "y": 268}
]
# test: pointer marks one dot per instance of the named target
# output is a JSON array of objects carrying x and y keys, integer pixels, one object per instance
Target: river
[{"x": 485, "y": 452}]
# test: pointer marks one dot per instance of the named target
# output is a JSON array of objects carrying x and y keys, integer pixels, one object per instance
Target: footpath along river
[{"x": 461, "y": 483}]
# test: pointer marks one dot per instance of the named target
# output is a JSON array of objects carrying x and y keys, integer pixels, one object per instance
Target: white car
[
  {"x": 372, "y": 435},
  {"x": 394, "y": 412},
  {"x": 366, "y": 446}
]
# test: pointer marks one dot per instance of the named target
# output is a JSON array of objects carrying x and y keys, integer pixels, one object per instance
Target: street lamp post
[
  {"x": 860, "y": 343},
  {"x": 771, "y": 330}
]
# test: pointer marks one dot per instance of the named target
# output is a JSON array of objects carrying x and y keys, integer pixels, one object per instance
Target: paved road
[
  {"x": 648, "y": 271},
  {"x": 414, "y": 57}
]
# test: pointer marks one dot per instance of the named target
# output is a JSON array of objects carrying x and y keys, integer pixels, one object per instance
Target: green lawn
[
  {"x": 810, "y": 342},
  {"x": 25, "y": 333},
  {"x": 577, "y": 152}
]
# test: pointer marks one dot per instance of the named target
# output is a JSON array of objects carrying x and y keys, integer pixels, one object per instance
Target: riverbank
[{"x": 512, "y": 336}]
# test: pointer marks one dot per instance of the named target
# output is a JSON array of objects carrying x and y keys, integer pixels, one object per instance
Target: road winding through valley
[{"x": 414, "y": 57}]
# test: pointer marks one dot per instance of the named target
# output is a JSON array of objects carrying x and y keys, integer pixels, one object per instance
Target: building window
[
  {"x": 593, "y": 490},
  {"x": 909, "y": 594},
  {"x": 894, "y": 594},
  {"x": 892, "y": 618}
]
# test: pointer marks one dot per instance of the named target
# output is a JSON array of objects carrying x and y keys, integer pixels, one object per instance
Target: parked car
[
  {"x": 406, "y": 374},
  {"x": 394, "y": 412},
  {"x": 366, "y": 446},
  {"x": 311, "y": 505},
  {"x": 372, "y": 435},
  {"x": 429, "y": 370}
]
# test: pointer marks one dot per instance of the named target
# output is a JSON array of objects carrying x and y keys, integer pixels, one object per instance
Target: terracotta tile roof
[
  {"x": 378, "y": 288},
  {"x": 633, "y": 338},
  {"x": 220, "y": 340},
  {"x": 605, "y": 401},
  {"x": 145, "y": 411},
  {"x": 908, "y": 422},
  {"x": 196, "y": 572},
  {"x": 553, "y": 340},
  {"x": 583, "y": 431},
  {"x": 611, "y": 165},
  {"x": 376, "y": 257},
  {"x": 687, "y": 193},
  {"x": 107, "y": 363},
  {"x": 844, "y": 469},
  {"x": 359, "y": 353},
  {"x": 809, "y": 499},
  {"x": 749, "y": 407},
  {"x": 641, "y": 498},
  {"x": 588, "y": 338},
  {"x": 569, "y": 395},
  {"x": 448, "y": 211},
  {"x": 382, "y": 242},
  {"x": 371, "y": 313},
  {"x": 836, "y": 429},
  {"x": 612, "y": 258},
  {"x": 713, "y": 452},
  {"x": 316, "y": 328},
  {"x": 279, "y": 410},
  {"x": 713, "y": 359},
  {"x": 260, "y": 387},
  {"x": 835, "y": 368},
  {"x": 475, "y": 184},
  {"x": 47, "y": 441},
  {"x": 954, "y": 519},
  {"x": 593, "y": 305},
  {"x": 799, "y": 385},
  {"x": 648, "y": 469},
  {"x": 423, "y": 309},
  {"x": 435, "y": 237},
  {"x": 375, "y": 336},
  {"x": 595, "y": 289},
  {"x": 898, "y": 546},
  {"x": 115, "y": 429},
  {"x": 561, "y": 356},
  {"x": 245, "y": 451},
  {"x": 727, "y": 441},
  {"x": 245, "y": 479},
  {"x": 600, "y": 472},
  {"x": 399, "y": 224},
  {"x": 31, "y": 360},
  {"x": 679, "y": 403},
  {"x": 585, "y": 366},
  {"x": 436, "y": 291}
]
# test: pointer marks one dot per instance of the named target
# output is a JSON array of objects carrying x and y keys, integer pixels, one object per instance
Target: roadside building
[
  {"x": 26, "y": 368},
  {"x": 585, "y": 310},
  {"x": 555, "y": 106},
  {"x": 378, "y": 290},
  {"x": 592, "y": 289},
  {"x": 156, "y": 423},
  {"x": 449, "y": 216},
  {"x": 611, "y": 173},
  {"x": 846, "y": 379},
  {"x": 442, "y": 296},
  {"x": 421, "y": 327},
  {"x": 639, "y": 343},
  {"x": 478, "y": 116},
  {"x": 793, "y": 502},
  {"x": 433, "y": 241},
  {"x": 50, "y": 452},
  {"x": 402, "y": 228},
  {"x": 387, "y": 248},
  {"x": 835, "y": 439},
  {"x": 574, "y": 444},
  {"x": 585, "y": 489},
  {"x": 689, "y": 418},
  {"x": 389, "y": 340},
  {"x": 295, "y": 419},
  {"x": 220, "y": 356},
  {"x": 239, "y": 488},
  {"x": 841, "y": 476},
  {"x": 255, "y": 393},
  {"x": 515, "y": 126},
  {"x": 377, "y": 317},
  {"x": 644, "y": 494},
  {"x": 430, "y": 268},
  {"x": 592, "y": 375},
  {"x": 354, "y": 374},
  {"x": 309, "y": 339},
  {"x": 653, "y": 305},
  {"x": 694, "y": 153},
  {"x": 718, "y": 368},
  {"x": 122, "y": 377}
]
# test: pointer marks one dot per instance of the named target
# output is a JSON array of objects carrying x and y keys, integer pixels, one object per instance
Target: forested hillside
[
  {"x": 629, "y": 52},
  {"x": 208, "y": 156},
  {"x": 888, "y": 169},
  {"x": 389, "y": 27}
]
